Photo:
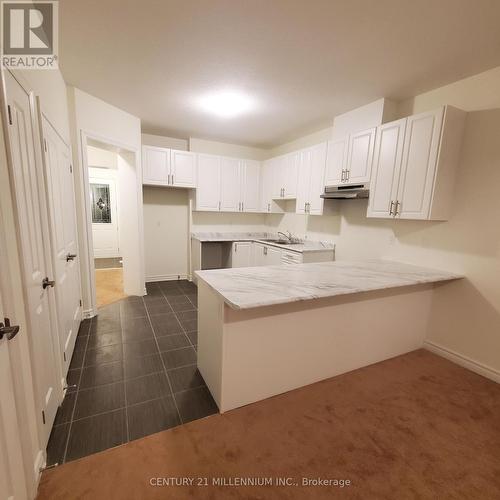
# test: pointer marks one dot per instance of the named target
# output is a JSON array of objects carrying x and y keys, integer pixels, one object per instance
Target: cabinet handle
[
  {"x": 282, "y": 192},
  {"x": 172, "y": 179},
  {"x": 219, "y": 206},
  {"x": 242, "y": 206},
  {"x": 265, "y": 250},
  {"x": 390, "y": 207},
  {"x": 308, "y": 208},
  {"x": 235, "y": 247},
  {"x": 347, "y": 175},
  {"x": 342, "y": 177},
  {"x": 268, "y": 207}
]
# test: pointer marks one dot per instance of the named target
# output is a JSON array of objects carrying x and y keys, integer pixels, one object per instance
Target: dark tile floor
[{"x": 134, "y": 367}]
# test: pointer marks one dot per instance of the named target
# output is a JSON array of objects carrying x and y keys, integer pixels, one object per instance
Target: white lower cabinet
[
  {"x": 241, "y": 254},
  {"x": 414, "y": 165},
  {"x": 266, "y": 255}
]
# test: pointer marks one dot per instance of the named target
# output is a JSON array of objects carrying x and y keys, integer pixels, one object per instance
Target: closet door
[
  {"x": 208, "y": 190},
  {"x": 62, "y": 216},
  {"x": 182, "y": 169},
  {"x": 230, "y": 193},
  {"x": 360, "y": 156},
  {"x": 155, "y": 166},
  {"x": 38, "y": 282},
  {"x": 420, "y": 152},
  {"x": 250, "y": 185},
  {"x": 386, "y": 169},
  {"x": 317, "y": 179}
]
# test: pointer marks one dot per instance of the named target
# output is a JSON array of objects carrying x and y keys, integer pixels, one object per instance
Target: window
[{"x": 100, "y": 202}]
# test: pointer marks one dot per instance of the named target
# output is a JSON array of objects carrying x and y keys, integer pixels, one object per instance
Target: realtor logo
[{"x": 29, "y": 35}]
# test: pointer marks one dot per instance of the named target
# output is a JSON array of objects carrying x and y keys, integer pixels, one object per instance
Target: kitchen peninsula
[{"x": 265, "y": 331}]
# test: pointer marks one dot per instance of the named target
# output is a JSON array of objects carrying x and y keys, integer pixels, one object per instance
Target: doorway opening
[{"x": 105, "y": 207}]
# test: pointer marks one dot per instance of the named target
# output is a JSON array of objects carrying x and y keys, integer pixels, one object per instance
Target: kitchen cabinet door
[
  {"x": 259, "y": 254},
  {"x": 360, "y": 156},
  {"x": 291, "y": 172},
  {"x": 336, "y": 160},
  {"x": 304, "y": 181},
  {"x": 386, "y": 169},
  {"x": 317, "y": 179},
  {"x": 241, "y": 254},
  {"x": 266, "y": 180},
  {"x": 183, "y": 169},
  {"x": 278, "y": 168},
  {"x": 273, "y": 257},
  {"x": 155, "y": 166},
  {"x": 230, "y": 192},
  {"x": 208, "y": 189},
  {"x": 420, "y": 152},
  {"x": 250, "y": 188}
]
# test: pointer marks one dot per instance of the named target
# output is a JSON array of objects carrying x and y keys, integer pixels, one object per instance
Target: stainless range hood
[{"x": 346, "y": 192}]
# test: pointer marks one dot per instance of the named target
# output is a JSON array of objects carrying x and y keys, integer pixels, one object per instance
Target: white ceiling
[{"x": 303, "y": 60}]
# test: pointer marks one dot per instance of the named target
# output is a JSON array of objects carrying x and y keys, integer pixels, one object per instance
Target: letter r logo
[{"x": 27, "y": 28}]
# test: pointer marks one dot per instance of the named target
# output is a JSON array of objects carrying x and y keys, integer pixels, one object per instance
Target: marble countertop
[
  {"x": 246, "y": 288},
  {"x": 304, "y": 246}
]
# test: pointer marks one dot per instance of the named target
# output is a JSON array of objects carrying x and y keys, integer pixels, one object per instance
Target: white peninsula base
[{"x": 246, "y": 355}]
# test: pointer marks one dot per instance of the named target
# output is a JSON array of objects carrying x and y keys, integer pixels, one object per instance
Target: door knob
[
  {"x": 46, "y": 283},
  {"x": 70, "y": 257},
  {"x": 9, "y": 331}
]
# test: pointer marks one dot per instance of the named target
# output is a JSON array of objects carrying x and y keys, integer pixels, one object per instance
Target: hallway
[{"x": 134, "y": 371}]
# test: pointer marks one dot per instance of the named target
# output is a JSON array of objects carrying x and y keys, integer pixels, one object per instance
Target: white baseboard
[
  {"x": 88, "y": 313},
  {"x": 166, "y": 277},
  {"x": 459, "y": 359}
]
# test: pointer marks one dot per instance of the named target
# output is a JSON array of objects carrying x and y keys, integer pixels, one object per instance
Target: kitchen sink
[{"x": 283, "y": 242}]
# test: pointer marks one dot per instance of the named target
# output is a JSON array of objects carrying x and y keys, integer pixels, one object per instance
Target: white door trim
[{"x": 91, "y": 309}]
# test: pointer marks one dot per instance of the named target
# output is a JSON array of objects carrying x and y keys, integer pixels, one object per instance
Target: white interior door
[
  {"x": 386, "y": 169},
  {"x": 62, "y": 217},
  {"x": 104, "y": 211},
  {"x": 30, "y": 205},
  {"x": 230, "y": 185},
  {"x": 12, "y": 481},
  {"x": 418, "y": 167}
]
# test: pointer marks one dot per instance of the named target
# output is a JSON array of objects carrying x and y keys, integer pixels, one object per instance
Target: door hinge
[
  {"x": 10, "y": 114},
  {"x": 45, "y": 144},
  {"x": 43, "y": 417},
  {"x": 81, "y": 303}
]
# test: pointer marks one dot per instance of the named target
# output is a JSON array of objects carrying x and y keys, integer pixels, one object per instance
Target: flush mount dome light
[{"x": 226, "y": 103}]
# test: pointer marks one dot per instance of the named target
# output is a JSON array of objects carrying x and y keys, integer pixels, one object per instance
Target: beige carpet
[
  {"x": 109, "y": 286},
  {"x": 413, "y": 427}
]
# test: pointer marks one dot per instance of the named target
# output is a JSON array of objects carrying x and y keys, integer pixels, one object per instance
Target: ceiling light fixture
[{"x": 226, "y": 103}]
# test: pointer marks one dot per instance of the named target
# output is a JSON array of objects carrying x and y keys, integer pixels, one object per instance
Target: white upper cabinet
[
  {"x": 386, "y": 169},
  {"x": 166, "y": 167},
  {"x": 317, "y": 179},
  {"x": 419, "y": 164},
  {"x": 208, "y": 190},
  {"x": 230, "y": 190},
  {"x": 183, "y": 169},
  {"x": 414, "y": 165},
  {"x": 250, "y": 171},
  {"x": 349, "y": 160},
  {"x": 310, "y": 184},
  {"x": 286, "y": 171},
  {"x": 360, "y": 156},
  {"x": 336, "y": 161},
  {"x": 155, "y": 166}
]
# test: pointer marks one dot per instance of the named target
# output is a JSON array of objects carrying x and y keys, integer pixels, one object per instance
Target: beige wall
[
  {"x": 227, "y": 149},
  {"x": 302, "y": 142},
  {"x": 466, "y": 315},
  {"x": 165, "y": 142},
  {"x": 166, "y": 234}
]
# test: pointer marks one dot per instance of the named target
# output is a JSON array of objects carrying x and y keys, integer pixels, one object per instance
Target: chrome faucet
[{"x": 288, "y": 235}]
